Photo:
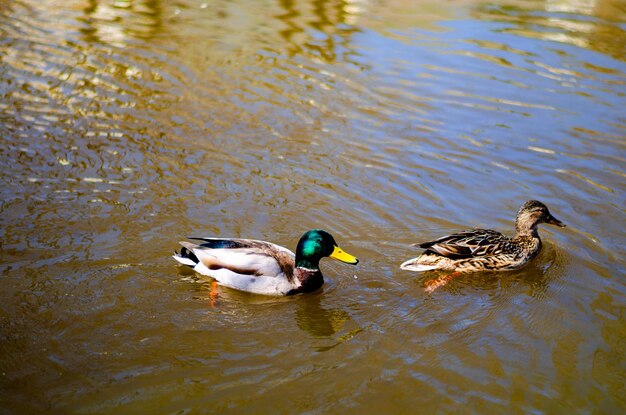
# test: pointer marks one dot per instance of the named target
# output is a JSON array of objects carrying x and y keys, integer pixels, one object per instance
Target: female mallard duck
[
  {"x": 484, "y": 249},
  {"x": 262, "y": 267}
]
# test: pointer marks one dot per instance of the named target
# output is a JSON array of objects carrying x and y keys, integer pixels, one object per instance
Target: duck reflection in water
[
  {"x": 318, "y": 320},
  {"x": 121, "y": 22}
]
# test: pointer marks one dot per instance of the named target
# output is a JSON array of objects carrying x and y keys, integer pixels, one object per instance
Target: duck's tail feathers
[
  {"x": 186, "y": 256},
  {"x": 183, "y": 260},
  {"x": 414, "y": 265}
]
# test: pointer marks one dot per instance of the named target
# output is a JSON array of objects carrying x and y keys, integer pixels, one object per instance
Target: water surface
[{"x": 127, "y": 126}]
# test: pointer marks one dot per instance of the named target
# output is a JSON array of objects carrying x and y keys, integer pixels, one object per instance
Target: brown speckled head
[{"x": 533, "y": 213}]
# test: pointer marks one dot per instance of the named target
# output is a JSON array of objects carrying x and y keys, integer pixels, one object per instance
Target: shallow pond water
[{"x": 126, "y": 126}]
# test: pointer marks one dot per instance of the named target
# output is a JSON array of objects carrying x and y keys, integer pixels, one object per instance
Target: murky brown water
[{"x": 126, "y": 126}]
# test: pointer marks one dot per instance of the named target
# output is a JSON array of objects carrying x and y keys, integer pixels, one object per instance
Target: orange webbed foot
[
  {"x": 214, "y": 293},
  {"x": 433, "y": 284}
]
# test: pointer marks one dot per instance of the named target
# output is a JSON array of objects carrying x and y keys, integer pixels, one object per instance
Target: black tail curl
[{"x": 186, "y": 253}]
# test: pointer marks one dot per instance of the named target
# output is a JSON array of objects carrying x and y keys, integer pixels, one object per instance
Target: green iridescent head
[{"x": 317, "y": 244}]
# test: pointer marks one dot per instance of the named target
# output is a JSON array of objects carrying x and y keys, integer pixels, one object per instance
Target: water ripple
[{"x": 125, "y": 126}]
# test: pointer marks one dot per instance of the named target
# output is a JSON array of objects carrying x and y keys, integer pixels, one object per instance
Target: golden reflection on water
[{"x": 126, "y": 126}]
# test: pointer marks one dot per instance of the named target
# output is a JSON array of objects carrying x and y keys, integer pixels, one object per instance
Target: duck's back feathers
[
  {"x": 468, "y": 244},
  {"x": 467, "y": 251},
  {"x": 474, "y": 250},
  {"x": 235, "y": 243}
]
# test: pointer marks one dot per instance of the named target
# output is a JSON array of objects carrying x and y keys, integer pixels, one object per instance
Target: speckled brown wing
[{"x": 469, "y": 244}]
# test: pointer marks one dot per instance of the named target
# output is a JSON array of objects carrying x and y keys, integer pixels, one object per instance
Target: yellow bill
[{"x": 342, "y": 256}]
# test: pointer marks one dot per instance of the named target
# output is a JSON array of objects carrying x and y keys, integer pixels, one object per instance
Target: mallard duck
[
  {"x": 263, "y": 267},
  {"x": 485, "y": 249}
]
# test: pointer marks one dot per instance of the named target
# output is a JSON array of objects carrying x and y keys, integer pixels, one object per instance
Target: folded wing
[
  {"x": 468, "y": 244},
  {"x": 246, "y": 257}
]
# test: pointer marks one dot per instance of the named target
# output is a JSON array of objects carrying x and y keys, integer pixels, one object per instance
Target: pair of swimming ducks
[{"x": 265, "y": 268}]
